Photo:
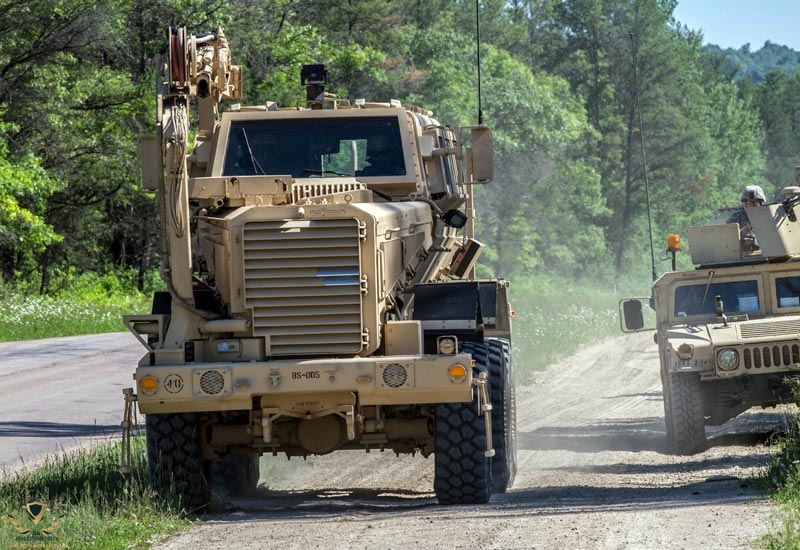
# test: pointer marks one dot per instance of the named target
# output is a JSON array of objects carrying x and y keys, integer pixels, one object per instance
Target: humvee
[{"x": 728, "y": 331}]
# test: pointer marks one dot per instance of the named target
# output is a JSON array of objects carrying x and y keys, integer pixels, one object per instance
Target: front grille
[
  {"x": 303, "y": 283},
  {"x": 786, "y": 355}
]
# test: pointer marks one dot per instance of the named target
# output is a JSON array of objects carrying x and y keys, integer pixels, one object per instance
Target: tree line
[{"x": 595, "y": 105}]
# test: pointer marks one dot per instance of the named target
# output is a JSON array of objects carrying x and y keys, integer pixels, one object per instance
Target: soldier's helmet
[{"x": 753, "y": 192}]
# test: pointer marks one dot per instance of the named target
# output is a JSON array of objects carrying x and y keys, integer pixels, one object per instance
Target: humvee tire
[
  {"x": 462, "y": 471},
  {"x": 237, "y": 474},
  {"x": 683, "y": 407},
  {"x": 173, "y": 459},
  {"x": 504, "y": 414}
]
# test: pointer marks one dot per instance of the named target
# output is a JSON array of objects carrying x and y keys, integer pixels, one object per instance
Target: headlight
[{"x": 728, "y": 359}]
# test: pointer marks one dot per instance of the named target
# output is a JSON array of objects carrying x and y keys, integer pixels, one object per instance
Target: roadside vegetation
[
  {"x": 90, "y": 505},
  {"x": 91, "y": 304},
  {"x": 783, "y": 480}
]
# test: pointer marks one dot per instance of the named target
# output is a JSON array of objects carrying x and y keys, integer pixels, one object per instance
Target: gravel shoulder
[{"x": 593, "y": 473}]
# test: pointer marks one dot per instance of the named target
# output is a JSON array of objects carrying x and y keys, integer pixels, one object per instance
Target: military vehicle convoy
[
  {"x": 728, "y": 331},
  {"x": 319, "y": 261}
]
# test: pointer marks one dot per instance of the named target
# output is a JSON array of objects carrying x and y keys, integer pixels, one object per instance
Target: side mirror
[
  {"x": 479, "y": 155},
  {"x": 150, "y": 162},
  {"x": 631, "y": 315}
]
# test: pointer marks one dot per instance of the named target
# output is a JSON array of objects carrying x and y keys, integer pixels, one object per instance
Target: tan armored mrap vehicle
[
  {"x": 728, "y": 332},
  {"x": 319, "y": 261}
]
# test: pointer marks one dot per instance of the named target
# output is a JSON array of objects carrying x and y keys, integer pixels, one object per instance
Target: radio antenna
[
  {"x": 478, "y": 38},
  {"x": 644, "y": 160}
]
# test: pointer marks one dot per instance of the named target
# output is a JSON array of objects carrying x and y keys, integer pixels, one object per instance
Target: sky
[{"x": 733, "y": 23}]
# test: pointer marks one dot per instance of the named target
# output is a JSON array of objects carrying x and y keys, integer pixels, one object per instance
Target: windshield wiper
[
  {"x": 256, "y": 166},
  {"x": 325, "y": 172}
]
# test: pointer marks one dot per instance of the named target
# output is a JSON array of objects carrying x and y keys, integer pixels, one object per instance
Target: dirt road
[{"x": 594, "y": 473}]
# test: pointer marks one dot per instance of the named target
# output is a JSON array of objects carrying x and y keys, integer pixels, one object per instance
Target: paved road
[{"x": 58, "y": 394}]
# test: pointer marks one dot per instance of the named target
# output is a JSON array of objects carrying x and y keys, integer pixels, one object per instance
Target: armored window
[
  {"x": 787, "y": 290},
  {"x": 315, "y": 147},
  {"x": 700, "y": 299}
]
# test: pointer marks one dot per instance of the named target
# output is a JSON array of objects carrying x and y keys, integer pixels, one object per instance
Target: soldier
[{"x": 752, "y": 195}]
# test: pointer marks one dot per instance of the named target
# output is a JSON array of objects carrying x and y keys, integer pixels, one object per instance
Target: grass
[
  {"x": 89, "y": 503},
  {"x": 35, "y": 317}
]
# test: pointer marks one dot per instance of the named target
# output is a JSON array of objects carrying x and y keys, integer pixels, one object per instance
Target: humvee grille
[
  {"x": 771, "y": 356},
  {"x": 303, "y": 283}
]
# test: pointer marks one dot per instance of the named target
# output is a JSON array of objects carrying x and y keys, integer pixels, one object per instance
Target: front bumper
[{"x": 303, "y": 386}]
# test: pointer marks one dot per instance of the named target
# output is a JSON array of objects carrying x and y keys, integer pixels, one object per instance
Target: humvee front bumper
[{"x": 304, "y": 387}]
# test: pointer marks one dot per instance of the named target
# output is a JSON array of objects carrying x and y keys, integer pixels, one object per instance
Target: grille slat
[{"x": 303, "y": 283}]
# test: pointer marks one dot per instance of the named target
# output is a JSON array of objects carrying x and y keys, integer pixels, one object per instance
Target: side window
[
  {"x": 700, "y": 299},
  {"x": 787, "y": 291}
]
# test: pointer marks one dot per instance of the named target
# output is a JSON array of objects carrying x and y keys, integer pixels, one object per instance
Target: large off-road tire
[
  {"x": 684, "y": 413},
  {"x": 173, "y": 459},
  {"x": 504, "y": 414},
  {"x": 237, "y": 474},
  {"x": 462, "y": 471}
]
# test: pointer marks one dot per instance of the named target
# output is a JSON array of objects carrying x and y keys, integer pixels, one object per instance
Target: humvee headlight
[
  {"x": 728, "y": 359},
  {"x": 148, "y": 385},
  {"x": 458, "y": 373}
]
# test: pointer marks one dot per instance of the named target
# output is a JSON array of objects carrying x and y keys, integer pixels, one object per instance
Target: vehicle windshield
[
  {"x": 317, "y": 147},
  {"x": 699, "y": 299}
]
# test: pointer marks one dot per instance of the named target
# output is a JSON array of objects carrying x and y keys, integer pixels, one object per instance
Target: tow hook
[
  {"x": 127, "y": 425},
  {"x": 485, "y": 408}
]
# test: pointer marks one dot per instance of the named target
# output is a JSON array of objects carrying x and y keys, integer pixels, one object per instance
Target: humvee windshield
[
  {"x": 316, "y": 147},
  {"x": 699, "y": 299},
  {"x": 787, "y": 290}
]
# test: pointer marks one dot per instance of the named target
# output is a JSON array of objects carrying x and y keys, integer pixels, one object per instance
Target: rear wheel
[
  {"x": 504, "y": 417},
  {"x": 173, "y": 459},
  {"x": 463, "y": 472},
  {"x": 685, "y": 417},
  {"x": 237, "y": 474}
]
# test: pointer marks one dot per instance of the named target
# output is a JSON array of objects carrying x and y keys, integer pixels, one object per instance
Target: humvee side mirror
[{"x": 631, "y": 318}]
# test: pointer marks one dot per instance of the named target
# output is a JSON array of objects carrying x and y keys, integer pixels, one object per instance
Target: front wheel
[
  {"x": 462, "y": 471},
  {"x": 174, "y": 464},
  {"x": 684, "y": 413}
]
